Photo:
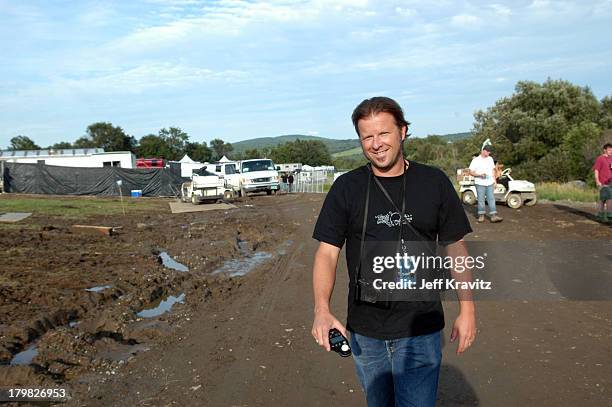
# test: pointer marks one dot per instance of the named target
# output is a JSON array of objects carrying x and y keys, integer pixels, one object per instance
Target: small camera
[{"x": 339, "y": 343}]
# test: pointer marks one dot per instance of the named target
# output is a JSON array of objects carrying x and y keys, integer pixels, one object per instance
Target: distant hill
[
  {"x": 356, "y": 151},
  {"x": 454, "y": 136},
  {"x": 333, "y": 145},
  {"x": 338, "y": 148}
]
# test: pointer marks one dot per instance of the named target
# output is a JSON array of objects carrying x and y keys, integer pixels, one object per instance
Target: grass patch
[
  {"x": 78, "y": 206},
  {"x": 557, "y": 192},
  {"x": 19, "y": 226},
  {"x": 357, "y": 151}
]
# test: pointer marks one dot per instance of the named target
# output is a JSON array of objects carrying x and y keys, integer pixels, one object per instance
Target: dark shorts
[{"x": 605, "y": 193}]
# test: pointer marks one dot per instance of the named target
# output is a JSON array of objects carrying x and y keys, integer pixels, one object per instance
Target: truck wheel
[
  {"x": 228, "y": 195},
  {"x": 468, "y": 198},
  {"x": 514, "y": 201},
  {"x": 531, "y": 202},
  {"x": 268, "y": 192},
  {"x": 194, "y": 199}
]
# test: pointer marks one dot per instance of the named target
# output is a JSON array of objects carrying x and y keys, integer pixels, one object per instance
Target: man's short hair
[
  {"x": 607, "y": 145},
  {"x": 377, "y": 105}
]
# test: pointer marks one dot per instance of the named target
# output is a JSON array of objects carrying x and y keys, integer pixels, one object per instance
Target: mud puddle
[
  {"x": 164, "y": 306},
  {"x": 98, "y": 288},
  {"x": 245, "y": 264},
  {"x": 168, "y": 262},
  {"x": 283, "y": 249},
  {"x": 25, "y": 357},
  {"x": 122, "y": 352}
]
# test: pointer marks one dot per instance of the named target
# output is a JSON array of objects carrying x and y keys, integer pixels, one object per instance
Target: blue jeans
[
  {"x": 481, "y": 192},
  {"x": 398, "y": 372}
]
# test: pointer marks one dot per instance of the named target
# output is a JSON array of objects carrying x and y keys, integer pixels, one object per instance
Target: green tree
[
  {"x": 311, "y": 152},
  {"x": 62, "y": 145},
  {"x": 606, "y": 113},
  {"x": 175, "y": 139},
  {"x": 438, "y": 152},
  {"x": 198, "y": 151},
  {"x": 23, "y": 143},
  {"x": 349, "y": 163},
  {"x": 539, "y": 125},
  {"x": 109, "y": 137},
  {"x": 171, "y": 144},
  {"x": 84, "y": 142},
  {"x": 251, "y": 153},
  {"x": 153, "y": 146},
  {"x": 220, "y": 148}
]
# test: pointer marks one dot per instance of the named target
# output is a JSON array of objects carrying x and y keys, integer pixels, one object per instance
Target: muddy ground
[
  {"x": 75, "y": 294},
  {"x": 245, "y": 340}
]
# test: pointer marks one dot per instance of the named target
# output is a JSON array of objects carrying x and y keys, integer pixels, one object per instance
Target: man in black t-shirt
[
  {"x": 290, "y": 180},
  {"x": 396, "y": 345}
]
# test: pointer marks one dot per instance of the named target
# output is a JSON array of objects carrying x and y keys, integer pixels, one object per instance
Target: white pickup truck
[
  {"x": 205, "y": 186},
  {"x": 256, "y": 175}
]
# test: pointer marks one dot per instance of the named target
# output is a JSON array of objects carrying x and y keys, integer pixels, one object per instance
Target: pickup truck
[
  {"x": 258, "y": 175},
  {"x": 242, "y": 177}
]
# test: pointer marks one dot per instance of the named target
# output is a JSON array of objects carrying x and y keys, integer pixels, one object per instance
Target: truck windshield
[{"x": 259, "y": 165}]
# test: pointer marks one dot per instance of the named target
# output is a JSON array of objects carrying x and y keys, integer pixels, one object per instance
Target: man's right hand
[{"x": 323, "y": 322}]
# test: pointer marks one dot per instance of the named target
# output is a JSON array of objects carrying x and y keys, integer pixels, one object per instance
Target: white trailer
[{"x": 205, "y": 187}]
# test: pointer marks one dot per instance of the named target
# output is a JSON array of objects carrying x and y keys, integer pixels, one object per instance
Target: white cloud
[
  {"x": 232, "y": 17},
  {"x": 501, "y": 10},
  {"x": 573, "y": 9},
  {"x": 135, "y": 80},
  {"x": 176, "y": 3},
  {"x": 405, "y": 12},
  {"x": 147, "y": 76},
  {"x": 98, "y": 16},
  {"x": 540, "y": 4},
  {"x": 465, "y": 20},
  {"x": 602, "y": 8}
]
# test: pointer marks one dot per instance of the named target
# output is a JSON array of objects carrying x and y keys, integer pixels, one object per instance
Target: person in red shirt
[{"x": 603, "y": 178}]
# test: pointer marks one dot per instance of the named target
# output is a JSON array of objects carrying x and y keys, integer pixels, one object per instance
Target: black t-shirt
[{"x": 432, "y": 207}]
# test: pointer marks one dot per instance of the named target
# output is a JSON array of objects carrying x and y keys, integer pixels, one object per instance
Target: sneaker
[
  {"x": 496, "y": 219},
  {"x": 481, "y": 219}
]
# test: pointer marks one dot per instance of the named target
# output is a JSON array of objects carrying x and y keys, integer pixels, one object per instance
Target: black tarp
[{"x": 56, "y": 180}]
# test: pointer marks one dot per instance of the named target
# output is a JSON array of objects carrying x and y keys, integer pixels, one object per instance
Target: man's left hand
[{"x": 464, "y": 329}]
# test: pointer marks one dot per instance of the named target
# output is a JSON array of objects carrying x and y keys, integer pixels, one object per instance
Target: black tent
[{"x": 50, "y": 179}]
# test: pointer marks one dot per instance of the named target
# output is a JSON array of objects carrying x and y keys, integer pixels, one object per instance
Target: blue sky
[{"x": 237, "y": 69}]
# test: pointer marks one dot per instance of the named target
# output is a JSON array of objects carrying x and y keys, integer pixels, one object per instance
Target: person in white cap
[{"x": 482, "y": 168}]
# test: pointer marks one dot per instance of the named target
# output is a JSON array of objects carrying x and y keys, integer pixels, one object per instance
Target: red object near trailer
[{"x": 150, "y": 163}]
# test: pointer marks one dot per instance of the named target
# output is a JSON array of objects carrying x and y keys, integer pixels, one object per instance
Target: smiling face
[{"x": 381, "y": 141}]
